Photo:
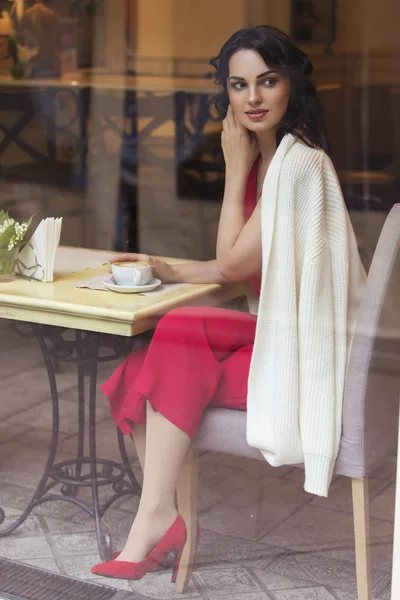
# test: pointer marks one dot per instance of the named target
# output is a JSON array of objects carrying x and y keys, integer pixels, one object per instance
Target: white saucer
[{"x": 132, "y": 289}]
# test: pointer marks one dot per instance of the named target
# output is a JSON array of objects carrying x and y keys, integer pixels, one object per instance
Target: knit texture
[{"x": 312, "y": 283}]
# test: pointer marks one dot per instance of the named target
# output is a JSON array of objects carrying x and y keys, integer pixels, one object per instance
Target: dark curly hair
[{"x": 304, "y": 117}]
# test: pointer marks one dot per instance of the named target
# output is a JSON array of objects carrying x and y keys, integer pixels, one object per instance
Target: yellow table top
[{"x": 60, "y": 303}]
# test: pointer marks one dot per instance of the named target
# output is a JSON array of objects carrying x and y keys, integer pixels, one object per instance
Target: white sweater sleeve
[{"x": 322, "y": 352}]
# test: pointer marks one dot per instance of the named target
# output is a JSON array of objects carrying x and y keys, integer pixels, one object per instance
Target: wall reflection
[{"x": 111, "y": 124}]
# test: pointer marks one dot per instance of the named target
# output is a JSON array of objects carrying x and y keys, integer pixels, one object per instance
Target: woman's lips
[{"x": 257, "y": 116}]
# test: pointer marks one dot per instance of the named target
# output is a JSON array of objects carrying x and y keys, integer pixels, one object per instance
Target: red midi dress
[{"x": 198, "y": 357}]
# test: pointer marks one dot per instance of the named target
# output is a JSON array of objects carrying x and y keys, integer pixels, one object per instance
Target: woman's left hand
[
  {"x": 160, "y": 267},
  {"x": 239, "y": 145}
]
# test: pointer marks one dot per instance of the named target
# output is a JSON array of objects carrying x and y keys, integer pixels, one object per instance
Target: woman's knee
[{"x": 185, "y": 319}]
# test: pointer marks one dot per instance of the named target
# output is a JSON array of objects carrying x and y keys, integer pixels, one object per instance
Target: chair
[{"x": 370, "y": 411}]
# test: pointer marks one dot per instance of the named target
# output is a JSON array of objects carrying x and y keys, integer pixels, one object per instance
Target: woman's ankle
[
  {"x": 147, "y": 530},
  {"x": 156, "y": 510}
]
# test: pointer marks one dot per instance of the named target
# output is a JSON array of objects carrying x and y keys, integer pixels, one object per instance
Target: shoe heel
[{"x": 177, "y": 556}]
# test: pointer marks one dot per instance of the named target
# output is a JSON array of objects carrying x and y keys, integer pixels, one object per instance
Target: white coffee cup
[{"x": 131, "y": 273}]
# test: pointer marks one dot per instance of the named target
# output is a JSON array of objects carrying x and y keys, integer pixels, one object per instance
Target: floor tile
[
  {"x": 31, "y": 526},
  {"x": 382, "y": 506},
  {"x": 253, "y": 467},
  {"x": 340, "y": 497},
  {"x": 381, "y": 556},
  {"x": 158, "y": 585},
  {"x": 242, "y": 596},
  {"x": 312, "y": 528},
  {"x": 21, "y": 548},
  {"x": 245, "y": 522},
  {"x": 14, "y": 496},
  {"x": 59, "y": 509},
  {"x": 223, "y": 581},
  {"x": 106, "y": 439},
  {"x": 321, "y": 568},
  {"x": 214, "y": 474},
  {"x": 36, "y": 437},
  {"x": 75, "y": 544},
  {"x": 309, "y": 593},
  {"x": 16, "y": 361},
  {"x": 26, "y": 465},
  {"x": 386, "y": 470},
  {"x": 264, "y": 493},
  {"x": 273, "y": 580},
  {"x": 85, "y": 524},
  {"x": 15, "y": 389},
  {"x": 40, "y": 415},
  {"x": 316, "y": 568},
  {"x": 48, "y": 564},
  {"x": 215, "y": 549},
  {"x": 9, "y": 431}
]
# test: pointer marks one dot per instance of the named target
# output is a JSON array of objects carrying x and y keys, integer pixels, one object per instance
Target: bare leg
[
  {"x": 166, "y": 448},
  {"x": 138, "y": 437}
]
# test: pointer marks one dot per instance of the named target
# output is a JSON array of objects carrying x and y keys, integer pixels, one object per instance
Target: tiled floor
[{"x": 263, "y": 537}]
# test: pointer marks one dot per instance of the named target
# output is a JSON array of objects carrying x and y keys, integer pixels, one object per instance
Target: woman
[{"x": 201, "y": 356}]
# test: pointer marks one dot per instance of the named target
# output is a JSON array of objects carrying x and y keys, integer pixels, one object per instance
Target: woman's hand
[
  {"x": 238, "y": 144},
  {"x": 159, "y": 266}
]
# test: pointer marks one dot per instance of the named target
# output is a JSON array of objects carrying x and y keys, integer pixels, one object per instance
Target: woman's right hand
[
  {"x": 239, "y": 145},
  {"x": 159, "y": 266}
]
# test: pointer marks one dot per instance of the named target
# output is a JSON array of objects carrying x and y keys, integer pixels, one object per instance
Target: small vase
[
  {"x": 8, "y": 259},
  {"x": 20, "y": 70}
]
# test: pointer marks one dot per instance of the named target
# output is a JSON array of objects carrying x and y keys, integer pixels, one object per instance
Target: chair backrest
[
  {"x": 371, "y": 398},
  {"x": 372, "y": 388}
]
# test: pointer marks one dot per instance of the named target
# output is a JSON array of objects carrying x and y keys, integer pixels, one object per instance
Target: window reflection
[{"x": 112, "y": 122}]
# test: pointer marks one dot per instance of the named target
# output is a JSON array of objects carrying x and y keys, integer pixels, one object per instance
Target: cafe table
[{"x": 86, "y": 327}]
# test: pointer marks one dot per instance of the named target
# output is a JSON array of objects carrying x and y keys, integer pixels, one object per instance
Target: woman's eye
[
  {"x": 239, "y": 85},
  {"x": 270, "y": 82}
]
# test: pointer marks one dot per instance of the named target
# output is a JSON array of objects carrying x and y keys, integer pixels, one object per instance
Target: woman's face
[{"x": 259, "y": 96}]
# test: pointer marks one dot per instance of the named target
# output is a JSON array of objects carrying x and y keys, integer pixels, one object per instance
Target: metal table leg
[{"x": 86, "y": 350}]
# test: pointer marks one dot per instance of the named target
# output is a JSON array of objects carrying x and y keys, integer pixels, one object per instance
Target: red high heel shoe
[
  {"x": 173, "y": 541},
  {"x": 115, "y": 555}
]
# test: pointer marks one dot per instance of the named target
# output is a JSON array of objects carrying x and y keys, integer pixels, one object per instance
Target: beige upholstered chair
[{"x": 370, "y": 411}]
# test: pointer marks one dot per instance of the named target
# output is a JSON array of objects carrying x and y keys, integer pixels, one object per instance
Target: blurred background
[{"x": 106, "y": 115}]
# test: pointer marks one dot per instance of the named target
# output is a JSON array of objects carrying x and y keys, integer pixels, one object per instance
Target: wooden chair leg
[
  {"x": 254, "y": 520},
  {"x": 187, "y": 507},
  {"x": 362, "y": 541}
]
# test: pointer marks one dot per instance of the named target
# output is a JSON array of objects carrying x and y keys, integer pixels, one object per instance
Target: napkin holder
[{"x": 34, "y": 270}]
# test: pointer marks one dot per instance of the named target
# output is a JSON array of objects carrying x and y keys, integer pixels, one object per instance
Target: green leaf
[
  {"x": 13, "y": 48},
  {"x": 3, "y": 217},
  {"x": 6, "y": 236}
]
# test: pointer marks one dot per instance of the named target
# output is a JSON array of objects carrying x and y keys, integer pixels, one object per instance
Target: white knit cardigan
[{"x": 312, "y": 282}]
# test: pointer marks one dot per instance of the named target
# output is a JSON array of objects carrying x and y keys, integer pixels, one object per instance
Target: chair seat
[{"x": 224, "y": 430}]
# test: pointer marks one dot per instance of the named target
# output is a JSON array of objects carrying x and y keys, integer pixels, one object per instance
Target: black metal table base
[{"x": 63, "y": 480}]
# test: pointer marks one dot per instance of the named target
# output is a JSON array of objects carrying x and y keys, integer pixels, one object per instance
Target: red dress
[{"x": 198, "y": 357}]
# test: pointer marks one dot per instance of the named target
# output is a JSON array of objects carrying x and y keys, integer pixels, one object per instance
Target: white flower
[
  {"x": 25, "y": 53},
  {"x": 7, "y": 223},
  {"x": 14, "y": 232}
]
